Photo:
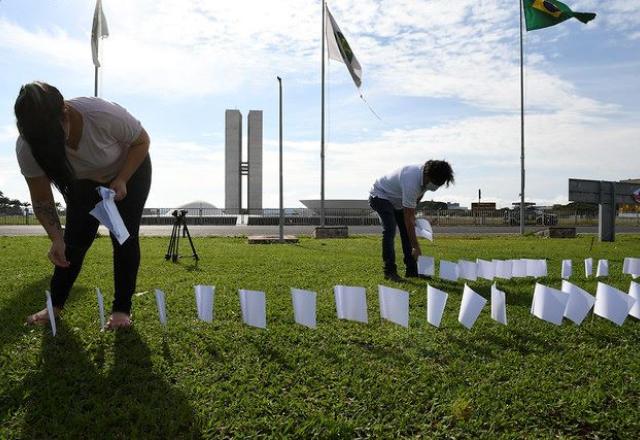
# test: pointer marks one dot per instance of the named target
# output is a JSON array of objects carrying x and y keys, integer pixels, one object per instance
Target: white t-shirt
[
  {"x": 402, "y": 187},
  {"x": 108, "y": 130}
]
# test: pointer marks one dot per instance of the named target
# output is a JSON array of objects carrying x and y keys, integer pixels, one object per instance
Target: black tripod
[{"x": 179, "y": 223}]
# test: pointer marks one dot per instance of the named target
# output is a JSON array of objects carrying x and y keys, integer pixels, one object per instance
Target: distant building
[{"x": 627, "y": 208}]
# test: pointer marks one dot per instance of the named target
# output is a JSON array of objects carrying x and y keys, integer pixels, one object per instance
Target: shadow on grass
[{"x": 67, "y": 397}]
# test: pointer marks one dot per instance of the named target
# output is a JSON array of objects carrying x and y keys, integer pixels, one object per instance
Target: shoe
[{"x": 393, "y": 276}]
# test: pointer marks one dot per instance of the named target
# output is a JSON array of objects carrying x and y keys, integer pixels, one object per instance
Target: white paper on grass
[
  {"x": 467, "y": 270},
  {"x": 448, "y": 270},
  {"x": 162, "y": 306},
  {"x": 567, "y": 269},
  {"x": 603, "y": 268},
  {"x": 351, "y": 303},
  {"x": 536, "y": 268},
  {"x": 503, "y": 269},
  {"x": 436, "y": 301},
  {"x": 394, "y": 305},
  {"x": 498, "y": 305},
  {"x": 588, "y": 267},
  {"x": 634, "y": 292},
  {"x": 625, "y": 265},
  {"x": 304, "y": 307},
  {"x": 631, "y": 266},
  {"x": 423, "y": 229},
  {"x": 549, "y": 304},
  {"x": 254, "y": 308},
  {"x": 579, "y": 304},
  {"x": 100, "y": 307},
  {"x": 612, "y": 304},
  {"x": 426, "y": 265},
  {"x": 204, "y": 301},
  {"x": 107, "y": 213},
  {"x": 486, "y": 269},
  {"x": 470, "y": 307},
  {"x": 518, "y": 268},
  {"x": 52, "y": 315}
]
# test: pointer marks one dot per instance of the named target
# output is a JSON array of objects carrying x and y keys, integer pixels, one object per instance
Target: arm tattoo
[{"x": 47, "y": 214}]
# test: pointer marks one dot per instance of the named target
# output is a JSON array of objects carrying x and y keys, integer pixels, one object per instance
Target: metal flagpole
[
  {"x": 322, "y": 124},
  {"x": 521, "y": 127},
  {"x": 281, "y": 222},
  {"x": 95, "y": 83}
]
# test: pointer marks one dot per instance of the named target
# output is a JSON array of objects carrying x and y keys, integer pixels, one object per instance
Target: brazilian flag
[{"x": 540, "y": 14}]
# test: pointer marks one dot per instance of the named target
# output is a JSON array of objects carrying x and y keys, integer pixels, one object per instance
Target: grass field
[{"x": 343, "y": 380}]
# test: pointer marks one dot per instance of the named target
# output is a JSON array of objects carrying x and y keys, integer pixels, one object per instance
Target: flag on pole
[
  {"x": 99, "y": 30},
  {"x": 540, "y": 14},
  {"x": 339, "y": 48}
]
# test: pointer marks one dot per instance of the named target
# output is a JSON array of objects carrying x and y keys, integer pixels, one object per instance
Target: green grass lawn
[{"x": 343, "y": 380}]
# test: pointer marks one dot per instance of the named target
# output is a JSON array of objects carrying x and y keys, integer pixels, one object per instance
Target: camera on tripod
[{"x": 179, "y": 228}]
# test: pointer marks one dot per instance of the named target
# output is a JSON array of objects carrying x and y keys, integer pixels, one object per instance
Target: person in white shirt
[
  {"x": 395, "y": 197},
  {"x": 78, "y": 145}
]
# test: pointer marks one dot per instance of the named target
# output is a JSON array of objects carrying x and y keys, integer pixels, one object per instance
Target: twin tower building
[{"x": 236, "y": 167}]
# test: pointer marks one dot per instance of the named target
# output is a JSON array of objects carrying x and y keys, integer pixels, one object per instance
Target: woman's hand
[
  {"x": 57, "y": 254},
  {"x": 120, "y": 187}
]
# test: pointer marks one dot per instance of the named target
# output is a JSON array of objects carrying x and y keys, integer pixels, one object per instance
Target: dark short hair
[{"x": 439, "y": 172}]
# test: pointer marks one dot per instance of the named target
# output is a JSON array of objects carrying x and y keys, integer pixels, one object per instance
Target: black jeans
[
  {"x": 80, "y": 231},
  {"x": 390, "y": 218}
]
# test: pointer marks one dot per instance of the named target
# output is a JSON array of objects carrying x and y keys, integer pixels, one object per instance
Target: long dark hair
[{"x": 39, "y": 109}]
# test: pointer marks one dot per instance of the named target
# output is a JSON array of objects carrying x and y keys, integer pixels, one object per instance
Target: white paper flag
[
  {"x": 107, "y": 213},
  {"x": 486, "y": 269},
  {"x": 612, "y": 304},
  {"x": 426, "y": 265},
  {"x": 304, "y": 307},
  {"x": 634, "y": 292},
  {"x": 625, "y": 265},
  {"x": 204, "y": 302},
  {"x": 603, "y": 268},
  {"x": 470, "y": 307},
  {"x": 536, "y": 268},
  {"x": 549, "y": 304},
  {"x": 448, "y": 270},
  {"x": 503, "y": 269},
  {"x": 579, "y": 304},
  {"x": 52, "y": 315},
  {"x": 567, "y": 268},
  {"x": 498, "y": 305},
  {"x": 162, "y": 306},
  {"x": 436, "y": 301},
  {"x": 467, "y": 270},
  {"x": 588, "y": 267},
  {"x": 631, "y": 266},
  {"x": 423, "y": 229},
  {"x": 254, "y": 308},
  {"x": 394, "y": 305},
  {"x": 519, "y": 268},
  {"x": 100, "y": 307},
  {"x": 351, "y": 303}
]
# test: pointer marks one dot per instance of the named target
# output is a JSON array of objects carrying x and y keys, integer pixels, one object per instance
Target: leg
[
  {"x": 410, "y": 263},
  {"x": 385, "y": 211},
  {"x": 126, "y": 257}
]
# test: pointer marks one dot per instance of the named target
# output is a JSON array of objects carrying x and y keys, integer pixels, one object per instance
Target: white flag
[
  {"x": 339, "y": 49},
  {"x": 99, "y": 30}
]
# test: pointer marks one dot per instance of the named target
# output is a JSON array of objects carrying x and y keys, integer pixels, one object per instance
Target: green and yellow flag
[{"x": 540, "y": 14}]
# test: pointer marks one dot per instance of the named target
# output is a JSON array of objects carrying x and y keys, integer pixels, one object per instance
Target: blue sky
[{"x": 443, "y": 76}]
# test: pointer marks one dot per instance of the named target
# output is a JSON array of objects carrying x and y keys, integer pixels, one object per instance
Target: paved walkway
[{"x": 235, "y": 231}]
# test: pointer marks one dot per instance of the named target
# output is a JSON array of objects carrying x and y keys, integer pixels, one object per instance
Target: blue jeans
[{"x": 392, "y": 218}]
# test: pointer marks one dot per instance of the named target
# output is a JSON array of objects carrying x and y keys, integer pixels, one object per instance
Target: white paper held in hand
[
  {"x": 304, "y": 307},
  {"x": 52, "y": 315},
  {"x": 436, "y": 302},
  {"x": 423, "y": 229},
  {"x": 426, "y": 265},
  {"x": 470, "y": 307},
  {"x": 351, "y": 303},
  {"x": 579, "y": 304},
  {"x": 107, "y": 213},
  {"x": 254, "y": 308},
  {"x": 498, "y": 305},
  {"x": 394, "y": 305}
]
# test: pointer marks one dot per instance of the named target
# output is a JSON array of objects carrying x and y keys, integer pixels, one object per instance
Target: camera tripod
[{"x": 179, "y": 228}]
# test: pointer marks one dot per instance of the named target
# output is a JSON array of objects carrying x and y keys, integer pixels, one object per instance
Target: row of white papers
[
  {"x": 548, "y": 304},
  {"x": 507, "y": 269}
]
